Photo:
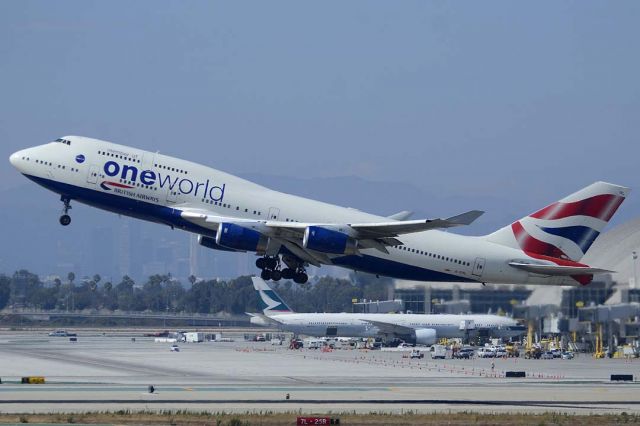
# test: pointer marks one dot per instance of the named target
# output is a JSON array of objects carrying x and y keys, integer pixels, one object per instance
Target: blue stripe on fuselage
[
  {"x": 123, "y": 205},
  {"x": 391, "y": 268}
]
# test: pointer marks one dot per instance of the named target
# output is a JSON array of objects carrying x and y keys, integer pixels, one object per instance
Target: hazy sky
[{"x": 530, "y": 99}]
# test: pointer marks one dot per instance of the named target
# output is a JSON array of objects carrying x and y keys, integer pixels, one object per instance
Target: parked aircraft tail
[
  {"x": 567, "y": 228},
  {"x": 270, "y": 302}
]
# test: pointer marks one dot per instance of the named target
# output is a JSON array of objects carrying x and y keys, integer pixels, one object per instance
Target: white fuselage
[
  {"x": 155, "y": 187},
  {"x": 363, "y": 325}
]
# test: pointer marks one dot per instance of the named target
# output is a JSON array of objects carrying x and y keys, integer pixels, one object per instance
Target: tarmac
[{"x": 111, "y": 372}]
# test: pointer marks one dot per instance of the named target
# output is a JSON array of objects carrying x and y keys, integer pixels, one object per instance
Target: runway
[{"x": 110, "y": 372}]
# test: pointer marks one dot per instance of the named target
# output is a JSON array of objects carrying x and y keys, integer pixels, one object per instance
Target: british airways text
[{"x": 150, "y": 178}]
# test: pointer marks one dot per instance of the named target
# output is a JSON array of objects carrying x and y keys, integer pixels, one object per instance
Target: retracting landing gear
[
  {"x": 65, "y": 219},
  {"x": 272, "y": 270}
]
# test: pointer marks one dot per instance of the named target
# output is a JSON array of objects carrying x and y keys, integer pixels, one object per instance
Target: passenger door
[
  {"x": 274, "y": 213},
  {"x": 94, "y": 172},
  {"x": 478, "y": 267}
]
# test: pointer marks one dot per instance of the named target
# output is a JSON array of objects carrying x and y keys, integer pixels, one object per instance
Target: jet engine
[
  {"x": 425, "y": 336},
  {"x": 237, "y": 237},
  {"x": 329, "y": 241}
]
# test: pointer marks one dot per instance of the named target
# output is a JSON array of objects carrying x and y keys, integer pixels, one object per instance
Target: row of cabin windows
[
  {"x": 173, "y": 169},
  {"x": 327, "y": 323},
  {"x": 122, "y": 157},
  {"x": 435, "y": 256},
  {"x": 48, "y": 163},
  {"x": 228, "y": 206},
  {"x": 64, "y": 141},
  {"x": 138, "y": 184}
]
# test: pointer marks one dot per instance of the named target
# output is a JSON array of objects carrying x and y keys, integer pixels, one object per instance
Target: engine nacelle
[
  {"x": 328, "y": 241},
  {"x": 425, "y": 336},
  {"x": 240, "y": 238},
  {"x": 209, "y": 242}
]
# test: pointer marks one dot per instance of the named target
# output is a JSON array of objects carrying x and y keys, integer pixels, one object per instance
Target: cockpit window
[{"x": 64, "y": 141}]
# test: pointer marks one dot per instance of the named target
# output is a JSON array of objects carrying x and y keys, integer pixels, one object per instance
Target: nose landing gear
[{"x": 65, "y": 219}]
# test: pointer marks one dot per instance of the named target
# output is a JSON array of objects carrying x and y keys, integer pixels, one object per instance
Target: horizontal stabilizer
[{"x": 558, "y": 269}]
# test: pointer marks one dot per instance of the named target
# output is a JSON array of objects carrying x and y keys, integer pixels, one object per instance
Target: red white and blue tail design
[{"x": 565, "y": 229}]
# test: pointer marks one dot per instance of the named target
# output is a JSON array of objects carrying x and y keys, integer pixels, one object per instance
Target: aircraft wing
[
  {"x": 290, "y": 234},
  {"x": 557, "y": 269},
  {"x": 360, "y": 230},
  {"x": 389, "y": 328}
]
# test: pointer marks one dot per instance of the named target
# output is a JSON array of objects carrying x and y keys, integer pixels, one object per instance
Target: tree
[{"x": 71, "y": 277}]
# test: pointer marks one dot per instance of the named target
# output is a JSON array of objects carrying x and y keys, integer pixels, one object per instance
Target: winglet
[{"x": 465, "y": 218}]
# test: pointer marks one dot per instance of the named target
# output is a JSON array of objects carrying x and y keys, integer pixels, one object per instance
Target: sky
[{"x": 526, "y": 101}]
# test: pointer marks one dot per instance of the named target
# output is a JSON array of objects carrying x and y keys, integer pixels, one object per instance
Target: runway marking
[{"x": 559, "y": 404}]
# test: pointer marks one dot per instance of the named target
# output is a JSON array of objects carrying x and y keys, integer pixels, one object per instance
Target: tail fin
[
  {"x": 567, "y": 228},
  {"x": 270, "y": 302}
]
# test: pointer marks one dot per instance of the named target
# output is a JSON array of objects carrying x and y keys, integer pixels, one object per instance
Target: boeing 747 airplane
[
  {"x": 289, "y": 232},
  {"x": 420, "y": 329}
]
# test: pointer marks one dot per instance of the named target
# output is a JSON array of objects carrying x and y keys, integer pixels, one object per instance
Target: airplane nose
[{"x": 14, "y": 159}]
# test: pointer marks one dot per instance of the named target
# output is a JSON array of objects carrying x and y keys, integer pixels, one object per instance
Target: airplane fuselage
[
  {"x": 158, "y": 188},
  {"x": 363, "y": 325}
]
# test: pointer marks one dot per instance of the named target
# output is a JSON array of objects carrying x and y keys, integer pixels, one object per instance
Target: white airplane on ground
[
  {"x": 290, "y": 232},
  {"x": 415, "y": 328}
]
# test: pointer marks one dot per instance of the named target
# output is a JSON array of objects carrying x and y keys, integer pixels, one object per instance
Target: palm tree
[{"x": 71, "y": 276}]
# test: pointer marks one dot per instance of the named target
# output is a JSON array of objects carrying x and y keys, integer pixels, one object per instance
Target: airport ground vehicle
[
  {"x": 174, "y": 348},
  {"x": 296, "y": 344},
  {"x": 500, "y": 352},
  {"x": 533, "y": 353},
  {"x": 486, "y": 352},
  {"x": 464, "y": 353},
  {"x": 416, "y": 354},
  {"x": 547, "y": 355},
  {"x": 62, "y": 333},
  {"x": 567, "y": 355},
  {"x": 438, "y": 352}
]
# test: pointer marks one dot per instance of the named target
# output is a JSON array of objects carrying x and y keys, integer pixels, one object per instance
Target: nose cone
[{"x": 15, "y": 159}]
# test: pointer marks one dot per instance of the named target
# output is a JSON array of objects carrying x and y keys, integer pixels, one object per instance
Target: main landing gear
[
  {"x": 272, "y": 270},
  {"x": 65, "y": 219}
]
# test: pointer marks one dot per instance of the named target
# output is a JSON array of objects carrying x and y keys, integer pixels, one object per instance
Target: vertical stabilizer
[
  {"x": 567, "y": 228},
  {"x": 270, "y": 302}
]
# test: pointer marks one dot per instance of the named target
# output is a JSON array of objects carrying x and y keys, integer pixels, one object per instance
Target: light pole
[{"x": 634, "y": 258}]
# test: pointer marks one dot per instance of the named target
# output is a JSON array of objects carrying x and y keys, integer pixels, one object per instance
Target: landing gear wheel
[
  {"x": 265, "y": 274},
  {"x": 261, "y": 263},
  {"x": 276, "y": 275},
  {"x": 300, "y": 278},
  {"x": 65, "y": 220},
  {"x": 288, "y": 273},
  {"x": 272, "y": 262}
]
